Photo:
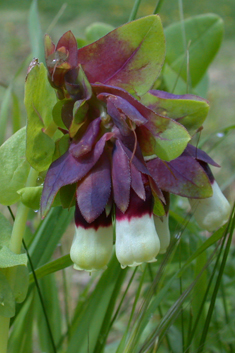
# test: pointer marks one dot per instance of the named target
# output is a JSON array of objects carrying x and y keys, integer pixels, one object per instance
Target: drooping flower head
[{"x": 128, "y": 145}]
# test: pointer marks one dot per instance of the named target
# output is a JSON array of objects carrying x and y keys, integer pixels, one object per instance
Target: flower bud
[
  {"x": 162, "y": 228},
  {"x": 92, "y": 244},
  {"x": 136, "y": 237},
  {"x": 211, "y": 213}
]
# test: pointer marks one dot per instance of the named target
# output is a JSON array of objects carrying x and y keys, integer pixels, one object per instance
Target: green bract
[
  {"x": 40, "y": 99},
  {"x": 14, "y": 168}
]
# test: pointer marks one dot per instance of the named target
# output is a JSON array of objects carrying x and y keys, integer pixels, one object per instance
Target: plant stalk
[{"x": 15, "y": 246}]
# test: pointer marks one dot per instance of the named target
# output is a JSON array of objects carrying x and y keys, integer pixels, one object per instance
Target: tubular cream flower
[
  {"x": 136, "y": 237},
  {"x": 162, "y": 228},
  {"x": 92, "y": 244},
  {"x": 213, "y": 212}
]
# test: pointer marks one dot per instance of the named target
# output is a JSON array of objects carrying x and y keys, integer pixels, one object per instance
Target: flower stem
[
  {"x": 21, "y": 218},
  {"x": 15, "y": 246}
]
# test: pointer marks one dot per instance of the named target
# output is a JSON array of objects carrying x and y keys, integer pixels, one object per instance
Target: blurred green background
[{"x": 58, "y": 16}]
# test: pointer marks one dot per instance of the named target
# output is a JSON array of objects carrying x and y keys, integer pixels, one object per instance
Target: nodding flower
[
  {"x": 136, "y": 237},
  {"x": 92, "y": 245},
  {"x": 212, "y": 212}
]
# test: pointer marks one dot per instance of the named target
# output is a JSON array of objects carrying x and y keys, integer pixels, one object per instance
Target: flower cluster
[{"x": 128, "y": 147}]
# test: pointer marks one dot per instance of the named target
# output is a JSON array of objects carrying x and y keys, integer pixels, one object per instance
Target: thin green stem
[
  {"x": 158, "y": 7},
  {"x": 21, "y": 218},
  {"x": 134, "y": 10}
]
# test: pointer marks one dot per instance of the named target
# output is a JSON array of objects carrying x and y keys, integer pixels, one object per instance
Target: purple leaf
[
  {"x": 132, "y": 62},
  {"x": 87, "y": 141},
  {"x": 67, "y": 112},
  {"x": 155, "y": 189},
  {"x": 68, "y": 170},
  {"x": 167, "y": 95},
  {"x": 118, "y": 118},
  {"x": 137, "y": 159},
  {"x": 200, "y": 155},
  {"x": 94, "y": 190},
  {"x": 124, "y": 107},
  {"x": 137, "y": 182},
  {"x": 121, "y": 177},
  {"x": 182, "y": 176}
]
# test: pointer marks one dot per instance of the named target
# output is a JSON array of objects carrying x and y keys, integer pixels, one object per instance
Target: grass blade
[
  {"x": 35, "y": 33},
  {"x": 228, "y": 238}
]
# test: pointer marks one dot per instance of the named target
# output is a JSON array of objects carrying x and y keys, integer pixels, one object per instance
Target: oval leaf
[
  {"x": 204, "y": 32},
  {"x": 183, "y": 176},
  {"x": 187, "y": 109},
  {"x": 134, "y": 55},
  {"x": 39, "y": 101},
  {"x": 14, "y": 168}
]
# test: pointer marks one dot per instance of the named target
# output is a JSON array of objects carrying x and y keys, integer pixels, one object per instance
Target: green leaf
[
  {"x": 158, "y": 208},
  {"x": 10, "y": 259},
  {"x": 39, "y": 101},
  {"x": 31, "y": 196},
  {"x": 173, "y": 143},
  {"x": 21, "y": 283},
  {"x": 188, "y": 110},
  {"x": 48, "y": 235},
  {"x": 5, "y": 231},
  {"x": 168, "y": 144},
  {"x": 97, "y": 30},
  {"x": 134, "y": 55},
  {"x": 7, "y": 300},
  {"x": 14, "y": 168},
  {"x": 56, "y": 113},
  {"x": 204, "y": 32},
  {"x": 35, "y": 33}
]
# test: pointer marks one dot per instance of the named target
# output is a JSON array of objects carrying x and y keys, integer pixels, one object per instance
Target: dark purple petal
[
  {"x": 121, "y": 177},
  {"x": 182, "y": 176},
  {"x": 200, "y": 155},
  {"x": 87, "y": 141},
  {"x": 137, "y": 182},
  {"x": 124, "y": 107},
  {"x": 68, "y": 170},
  {"x": 101, "y": 221},
  {"x": 137, "y": 207},
  {"x": 93, "y": 192}
]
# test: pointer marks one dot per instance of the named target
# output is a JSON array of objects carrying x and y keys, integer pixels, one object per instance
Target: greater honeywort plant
[
  {"x": 104, "y": 135},
  {"x": 124, "y": 152}
]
